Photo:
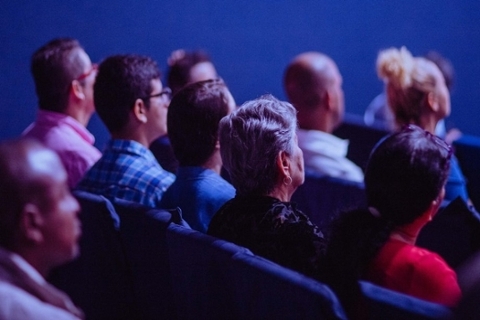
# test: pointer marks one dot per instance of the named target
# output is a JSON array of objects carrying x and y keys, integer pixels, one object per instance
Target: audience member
[
  {"x": 404, "y": 185},
  {"x": 314, "y": 86},
  {"x": 184, "y": 68},
  {"x": 417, "y": 94},
  {"x": 189, "y": 67},
  {"x": 379, "y": 113},
  {"x": 130, "y": 100},
  {"x": 260, "y": 151},
  {"x": 192, "y": 121},
  {"x": 64, "y": 78},
  {"x": 39, "y": 230}
]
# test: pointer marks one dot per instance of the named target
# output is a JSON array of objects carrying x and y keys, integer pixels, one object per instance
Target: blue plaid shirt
[{"x": 127, "y": 170}]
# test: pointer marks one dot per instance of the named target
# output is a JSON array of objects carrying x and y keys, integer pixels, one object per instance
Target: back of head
[
  {"x": 121, "y": 80},
  {"x": 18, "y": 185},
  {"x": 180, "y": 63},
  {"x": 405, "y": 173},
  {"x": 251, "y": 138},
  {"x": 54, "y": 66},
  {"x": 306, "y": 79},
  {"x": 408, "y": 81},
  {"x": 193, "y": 117}
]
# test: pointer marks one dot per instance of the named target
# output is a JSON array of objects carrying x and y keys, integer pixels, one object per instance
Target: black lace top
[{"x": 273, "y": 229}]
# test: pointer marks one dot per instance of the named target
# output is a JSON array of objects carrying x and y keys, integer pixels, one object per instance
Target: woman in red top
[{"x": 405, "y": 185}]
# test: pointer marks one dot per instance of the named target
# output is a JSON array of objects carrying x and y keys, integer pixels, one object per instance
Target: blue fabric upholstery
[
  {"x": 362, "y": 138},
  {"x": 200, "y": 274},
  {"x": 454, "y": 233},
  {"x": 99, "y": 281},
  {"x": 381, "y": 303},
  {"x": 467, "y": 150},
  {"x": 321, "y": 197},
  {"x": 143, "y": 231},
  {"x": 266, "y": 290}
]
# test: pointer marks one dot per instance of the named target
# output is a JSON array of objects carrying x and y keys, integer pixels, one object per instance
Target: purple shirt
[{"x": 70, "y": 139}]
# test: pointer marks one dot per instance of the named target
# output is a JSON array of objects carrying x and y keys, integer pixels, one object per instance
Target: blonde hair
[{"x": 408, "y": 80}]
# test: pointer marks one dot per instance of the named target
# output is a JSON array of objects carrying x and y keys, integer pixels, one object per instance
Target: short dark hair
[
  {"x": 54, "y": 66},
  {"x": 192, "y": 120},
  {"x": 121, "y": 80},
  {"x": 179, "y": 72},
  {"x": 405, "y": 173}
]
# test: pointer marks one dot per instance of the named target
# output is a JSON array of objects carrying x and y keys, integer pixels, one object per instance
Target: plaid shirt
[{"x": 127, "y": 170}]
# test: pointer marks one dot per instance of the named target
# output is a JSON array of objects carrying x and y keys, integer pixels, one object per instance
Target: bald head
[
  {"x": 23, "y": 163},
  {"x": 312, "y": 82},
  {"x": 307, "y": 78},
  {"x": 38, "y": 214}
]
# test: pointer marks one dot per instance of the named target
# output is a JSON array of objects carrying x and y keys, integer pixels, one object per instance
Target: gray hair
[{"x": 252, "y": 137}]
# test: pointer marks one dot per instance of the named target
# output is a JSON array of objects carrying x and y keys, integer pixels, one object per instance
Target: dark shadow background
[{"x": 250, "y": 42}]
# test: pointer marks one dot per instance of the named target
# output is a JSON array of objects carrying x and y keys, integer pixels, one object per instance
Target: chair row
[{"x": 138, "y": 263}]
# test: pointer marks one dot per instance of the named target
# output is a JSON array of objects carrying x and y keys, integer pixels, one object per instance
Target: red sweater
[{"x": 414, "y": 271}]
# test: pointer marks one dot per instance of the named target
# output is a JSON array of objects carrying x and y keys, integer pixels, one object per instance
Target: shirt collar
[
  {"x": 56, "y": 118},
  {"x": 132, "y": 147},
  {"x": 23, "y": 265},
  {"x": 311, "y": 139}
]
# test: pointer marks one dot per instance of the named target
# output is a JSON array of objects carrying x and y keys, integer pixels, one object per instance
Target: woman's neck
[
  {"x": 428, "y": 123},
  {"x": 281, "y": 193},
  {"x": 403, "y": 236},
  {"x": 409, "y": 233}
]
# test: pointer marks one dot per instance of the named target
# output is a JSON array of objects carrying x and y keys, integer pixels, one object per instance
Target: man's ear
[
  {"x": 327, "y": 100},
  {"x": 140, "y": 111},
  {"x": 77, "y": 90},
  {"x": 31, "y": 222}
]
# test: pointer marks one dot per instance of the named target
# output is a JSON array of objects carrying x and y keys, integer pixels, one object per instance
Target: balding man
[
  {"x": 39, "y": 230},
  {"x": 314, "y": 86}
]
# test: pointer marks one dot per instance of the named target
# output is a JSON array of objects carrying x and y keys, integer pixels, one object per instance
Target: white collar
[
  {"x": 310, "y": 140},
  {"x": 23, "y": 265}
]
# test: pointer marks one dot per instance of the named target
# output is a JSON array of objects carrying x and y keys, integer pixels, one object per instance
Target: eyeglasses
[
  {"x": 166, "y": 91},
  {"x": 93, "y": 69}
]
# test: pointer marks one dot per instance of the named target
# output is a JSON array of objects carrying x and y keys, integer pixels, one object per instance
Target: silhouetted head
[
  {"x": 312, "y": 82},
  {"x": 59, "y": 67},
  {"x": 405, "y": 173},
  {"x": 193, "y": 118},
  {"x": 189, "y": 67}
]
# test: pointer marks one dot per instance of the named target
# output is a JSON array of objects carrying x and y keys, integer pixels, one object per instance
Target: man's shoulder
[
  {"x": 16, "y": 303},
  {"x": 59, "y": 138}
]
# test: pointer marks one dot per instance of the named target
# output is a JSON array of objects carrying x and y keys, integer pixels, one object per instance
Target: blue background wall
[{"x": 250, "y": 42}]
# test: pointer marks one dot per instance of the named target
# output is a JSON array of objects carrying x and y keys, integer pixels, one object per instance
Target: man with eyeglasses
[
  {"x": 64, "y": 78},
  {"x": 132, "y": 103}
]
